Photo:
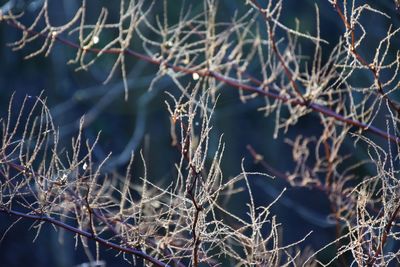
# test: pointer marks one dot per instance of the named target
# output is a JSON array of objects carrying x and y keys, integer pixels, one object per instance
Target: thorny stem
[{"x": 228, "y": 81}]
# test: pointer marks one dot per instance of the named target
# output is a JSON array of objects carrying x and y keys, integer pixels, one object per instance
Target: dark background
[{"x": 145, "y": 120}]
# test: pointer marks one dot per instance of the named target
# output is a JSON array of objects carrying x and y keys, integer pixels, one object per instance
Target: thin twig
[
  {"x": 228, "y": 81},
  {"x": 384, "y": 237},
  {"x": 44, "y": 218}
]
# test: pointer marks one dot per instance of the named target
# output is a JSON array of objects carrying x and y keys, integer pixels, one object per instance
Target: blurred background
[{"x": 142, "y": 123}]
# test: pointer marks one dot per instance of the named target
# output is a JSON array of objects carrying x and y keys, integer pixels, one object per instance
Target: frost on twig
[
  {"x": 67, "y": 188},
  {"x": 348, "y": 89}
]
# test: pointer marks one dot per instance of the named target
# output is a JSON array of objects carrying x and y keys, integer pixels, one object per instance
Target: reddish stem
[
  {"x": 236, "y": 84},
  {"x": 43, "y": 218}
]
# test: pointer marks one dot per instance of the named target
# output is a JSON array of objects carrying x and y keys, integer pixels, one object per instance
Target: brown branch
[
  {"x": 184, "y": 150},
  {"x": 259, "y": 159},
  {"x": 44, "y": 218},
  {"x": 315, "y": 107},
  {"x": 228, "y": 81},
  {"x": 275, "y": 49},
  {"x": 384, "y": 237},
  {"x": 92, "y": 212},
  {"x": 198, "y": 209},
  {"x": 106, "y": 221},
  {"x": 362, "y": 61}
]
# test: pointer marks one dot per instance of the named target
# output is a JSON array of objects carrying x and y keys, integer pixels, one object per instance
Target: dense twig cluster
[
  {"x": 186, "y": 222},
  {"x": 164, "y": 226}
]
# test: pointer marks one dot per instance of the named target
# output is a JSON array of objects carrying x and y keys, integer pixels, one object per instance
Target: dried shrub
[{"x": 188, "y": 221}]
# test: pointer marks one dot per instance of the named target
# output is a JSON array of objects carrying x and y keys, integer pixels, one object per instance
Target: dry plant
[{"x": 188, "y": 222}]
